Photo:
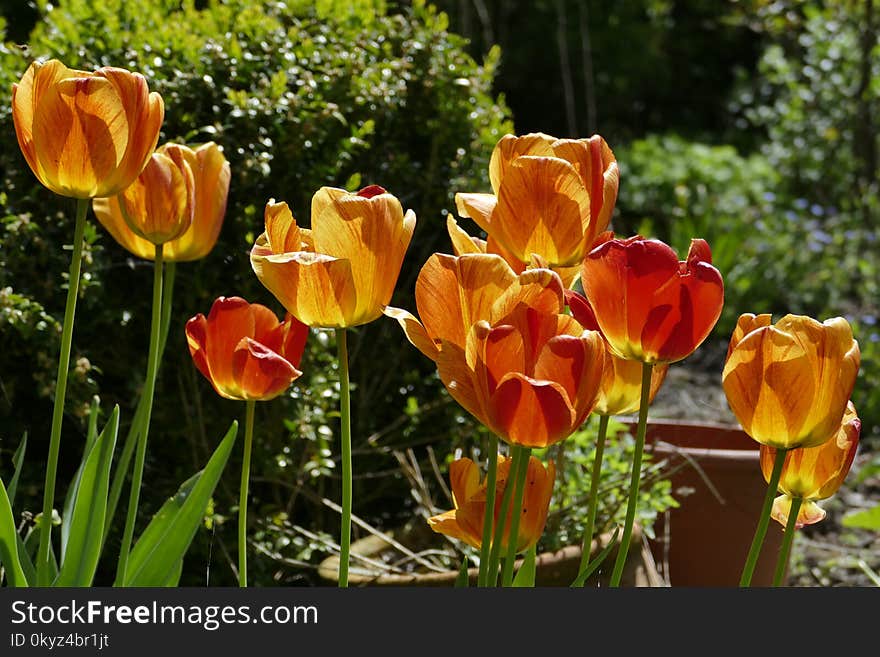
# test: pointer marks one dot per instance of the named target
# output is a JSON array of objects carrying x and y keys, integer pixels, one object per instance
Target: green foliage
[
  {"x": 299, "y": 95},
  {"x": 574, "y": 457}
]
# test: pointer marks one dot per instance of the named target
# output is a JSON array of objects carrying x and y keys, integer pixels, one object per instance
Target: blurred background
[{"x": 752, "y": 124}]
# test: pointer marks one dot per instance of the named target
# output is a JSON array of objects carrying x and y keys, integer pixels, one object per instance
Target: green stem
[
  {"x": 623, "y": 547},
  {"x": 345, "y": 418},
  {"x": 144, "y": 429},
  {"x": 516, "y": 516},
  {"x": 243, "y": 492},
  {"x": 82, "y": 206},
  {"x": 764, "y": 519},
  {"x": 495, "y": 554},
  {"x": 788, "y": 537},
  {"x": 594, "y": 493},
  {"x": 121, "y": 473},
  {"x": 489, "y": 515}
]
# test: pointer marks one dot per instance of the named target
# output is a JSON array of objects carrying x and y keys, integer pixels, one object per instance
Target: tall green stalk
[
  {"x": 764, "y": 520},
  {"x": 623, "y": 547},
  {"x": 594, "y": 492},
  {"x": 82, "y": 206},
  {"x": 495, "y": 553},
  {"x": 243, "y": 492},
  {"x": 788, "y": 537},
  {"x": 489, "y": 515},
  {"x": 144, "y": 429},
  {"x": 516, "y": 515},
  {"x": 345, "y": 419}
]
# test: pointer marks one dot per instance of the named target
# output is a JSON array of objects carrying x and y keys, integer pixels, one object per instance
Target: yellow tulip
[
  {"x": 342, "y": 272},
  {"x": 788, "y": 384},
  {"x": 465, "y": 521},
  {"x": 813, "y": 473},
  {"x": 552, "y": 197},
  {"x": 210, "y": 175},
  {"x": 85, "y": 135}
]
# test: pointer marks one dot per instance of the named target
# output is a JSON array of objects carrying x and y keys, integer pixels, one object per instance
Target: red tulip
[
  {"x": 244, "y": 351},
  {"x": 650, "y": 306}
]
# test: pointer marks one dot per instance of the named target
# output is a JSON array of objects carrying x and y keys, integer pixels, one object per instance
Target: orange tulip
[
  {"x": 465, "y": 521},
  {"x": 83, "y": 134},
  {"x": 244, "y": 351},
  {"x": 210, "y": 175},
  {"x": 649, "y": 306},
  {"x": 504, "y": 348},
  {"x": 813, "y": 473},
  {"x": 343, "y": 271},
  {"x": 620, "y": 391},
  {"x": 552, "y": 197},
  {"x": 788, "y": 384}
]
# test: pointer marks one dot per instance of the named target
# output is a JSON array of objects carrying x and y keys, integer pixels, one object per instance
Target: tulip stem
[
  {"x": 623, "y": 547},
  {"x": 489, "y": 515},
  {"x": 516, "y": 514},
  {"x": 144, "y": 428},
  {"x": 764, "y": 519},
  {"x": 250, "y": 404},
  {"x": 82, "y": 206},
  {"x": 121, "y": 473},
  {"x": 345, "y": 419},
  {"x": 788, "y": 537},
  {"x": 495, "y": 554},
  {"x": 594, "y": 493}
]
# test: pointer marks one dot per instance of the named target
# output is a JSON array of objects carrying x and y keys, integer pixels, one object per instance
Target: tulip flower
[
  {"x": 465, "y": 521},
  {"x": 342, "y": 272},
  {"x": 551, "y": 198},
  {"x": 650, "y": 306},
  {"x": 339, "y": 274},
  {"x": 246, "y": 354},
  {"x": 808, "y": 474},
  {"x": 84, "y": 134},
  {"x": 504, "y": 348},
  {"x": 813, "y": 473},
  {"x": 788, "y": 383},
  {"x": 210, "y": 176},
  {"x": 244, "y": 351}
]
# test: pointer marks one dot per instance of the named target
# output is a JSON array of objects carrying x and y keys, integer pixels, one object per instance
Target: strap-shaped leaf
[
  {"x": 17, "y": 460},
  {"x": 169, "y": 534},
  {"x": 595, "y": 563},
  {"x": 67, "y": 509},
  {"x": 9, "y": 543},
  {"x": 24, "y": 558},
  {"x": 525, "y": 576},
  {"x": 463, "y": 578},
  {"x": 86, "y": 520}
]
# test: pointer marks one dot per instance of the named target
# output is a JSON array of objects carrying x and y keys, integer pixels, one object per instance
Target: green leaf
[
  {"x": 595, "y": 563},
  {"x": 9, "y": 543},
  {"x": 17, "y": 460},
  {"x": 174, "y": 574},
  {"x": 25, "y": 559},
  {"x": 463, "y": 578},
  {"x": 67, "y": 509},
  {"x": 525, "y": 576},
  {"x": 86, "y": 521},
  {"x": 867, "y": 519},
  {"x": 31, "y": 545},
  {"x": 169, "y": 534}
]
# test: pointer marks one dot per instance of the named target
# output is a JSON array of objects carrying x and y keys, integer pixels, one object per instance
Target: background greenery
[{"x": 751, "y": 123}]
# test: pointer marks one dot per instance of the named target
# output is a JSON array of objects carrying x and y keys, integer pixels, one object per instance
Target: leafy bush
[{"x": 299, "y": 95}]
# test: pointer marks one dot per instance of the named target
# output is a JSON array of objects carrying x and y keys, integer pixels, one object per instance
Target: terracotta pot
[
  {"x": 717, "y": 480},
  {"x": 558, "y": 568}
]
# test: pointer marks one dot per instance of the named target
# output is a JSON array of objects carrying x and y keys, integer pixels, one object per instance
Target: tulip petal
[
  {"x": 531, "y": 413},
  {"x": 282, "y": 233},
  {"x": 809, "y": 514},
  {"x": 464, "y": 480},
  {"x": 747, "y": 323},
  {"x": 448, "y": 525},
  {"x": 541, "y": 203},
  {"x": 414, "y": 331},
  {"x": 259, "y": 372},
  {"x": 459, "y": 381},
  {"x": 478, "y": 207},
  {"x": 597, "y": 167},
  {"x": 316, "y": 289},
  {"x": 576, "y": 363},
  {"x": 463, "y": 243},
  {"x": 82, "y": 130},
  {"x": 538, "y": 289},
  {"x": 196, "y": 339},
  {"x": 510, "y": 147},
  {"x": 109, "y": 214},
  {"x": 453, "y": 293}
]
